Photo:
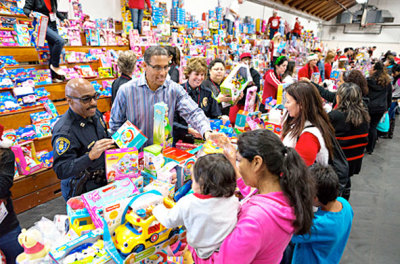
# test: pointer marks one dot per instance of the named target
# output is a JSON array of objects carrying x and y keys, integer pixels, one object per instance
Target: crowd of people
[{"x": 282, "y": 179}]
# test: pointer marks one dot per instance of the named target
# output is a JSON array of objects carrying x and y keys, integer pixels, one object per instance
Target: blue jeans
[
  {"x": 10, "y": 246},
  {"x": 229, "y": 26},
  {"x": 56, "y": 44},
  {"x": 272, "y": 32},
  {"x": 137, "y": 17}
]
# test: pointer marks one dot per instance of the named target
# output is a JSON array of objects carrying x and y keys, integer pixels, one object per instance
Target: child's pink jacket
[{"x": 263, "y": 230}]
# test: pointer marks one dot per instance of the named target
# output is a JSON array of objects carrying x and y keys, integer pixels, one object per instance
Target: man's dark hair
[
  {"x": 215, "y": 175},
  {"x": 154, "y": 51},
  {"x": 327, "y": 182}
]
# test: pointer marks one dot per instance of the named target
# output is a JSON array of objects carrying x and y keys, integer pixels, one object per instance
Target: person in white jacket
[{"x": 210, "y": 213}]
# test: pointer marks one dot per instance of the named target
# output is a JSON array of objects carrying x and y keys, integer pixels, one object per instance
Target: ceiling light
[{"x": 362, "y": 1}]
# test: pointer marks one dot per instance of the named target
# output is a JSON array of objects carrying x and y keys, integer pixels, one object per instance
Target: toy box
[
  {"x": 166, "y": 189},
  {"x": 40, "y": 23},
  {"x": 153, "y": 159},
  {"x": 86, "y": 71},
  {"x": 96, "y": 199},
  {"x": 23, "y": 37},
  {"x": 10, "y": 134},
  {"x": 236, "y": 81},
  {"x": 105, "y": 72},
  {"x": 185, "y": 162},
  {"x": 162, "y": 128},
  {"x": 250, "y": 99},
  {"x": 26, "y": 159},
  {"x": 167, "y": 173},
  {"x": 80, "y": 221},
  {"x": 277, "y": 129},
  {"x": 88, "y": 248},
  {"x": 122, "y": 163},
  {"x": 42, "y": 129},
  {"x": 113, "y": 212},
  {"x": 145, "y": 240},
  {"x": 241, "y": 120},
  {"x": 129, "y": 136}
]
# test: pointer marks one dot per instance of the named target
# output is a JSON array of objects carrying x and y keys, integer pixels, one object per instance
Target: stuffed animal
[{"x": 34, "y": 249}]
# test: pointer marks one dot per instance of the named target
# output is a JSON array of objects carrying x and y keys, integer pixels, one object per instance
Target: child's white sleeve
[{"x": 173, "y": 217}]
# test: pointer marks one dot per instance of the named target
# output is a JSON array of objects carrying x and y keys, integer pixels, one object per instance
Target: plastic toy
[
  {"x": 34, "y": 248},
  {"x": 79, "y": 218},
  {"x": 140, "y": 229},
  {"x": 153, "y": 159},
  {"x": 162, "y": 128},
  {"x": 122, "y": 163},
  {"x": 129, "y": 136},
  {"x": 88, "y": 248},
  {"x": 96, "y": 199},
  {"x": 185, "y": 162}
]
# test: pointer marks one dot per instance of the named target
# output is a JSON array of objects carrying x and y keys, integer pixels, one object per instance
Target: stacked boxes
[
  {"x": 157, "y": 16},
  {"x": 178, "y": 15}
]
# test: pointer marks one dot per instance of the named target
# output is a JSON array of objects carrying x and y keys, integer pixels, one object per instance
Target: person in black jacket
[
  {"x": 9, "y": 227},
  {"x": 195, "y": 72},
  {"x": 380, "y": 98},
  {"x": 175, "y": 58},
  {"x": 350, "y": 120},
  {"x": 56, "y": 43},
  {"x": 126, "y": 65},
  {"x": 255, "y": 75}
]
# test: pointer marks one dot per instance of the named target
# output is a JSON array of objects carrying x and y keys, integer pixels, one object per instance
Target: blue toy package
[
  {"x": 50, "y": 108},
  {"x": 40, "y": 116},
  {"x": 8, "y": 61},
  {"x": 41, "y": 92},
  {"x": 43, "y": 128},
  {"x": 46, "y": 158},
  {"x": 8, "y": 103},
  {"x": 26, "y": 133}
]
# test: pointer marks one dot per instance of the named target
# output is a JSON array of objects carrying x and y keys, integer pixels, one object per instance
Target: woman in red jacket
[
  {"x": 272, "y": 79},
  {"x": 306, "y": 73}
]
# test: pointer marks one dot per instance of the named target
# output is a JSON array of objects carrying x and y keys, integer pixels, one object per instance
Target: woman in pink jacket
[{"x": 279, "y": 205}]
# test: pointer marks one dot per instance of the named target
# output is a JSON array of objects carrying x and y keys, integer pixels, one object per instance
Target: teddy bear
[{"x": 34, "y": 248}]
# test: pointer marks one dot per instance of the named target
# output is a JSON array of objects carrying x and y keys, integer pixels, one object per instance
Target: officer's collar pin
[{"x": 83, "y": 124}]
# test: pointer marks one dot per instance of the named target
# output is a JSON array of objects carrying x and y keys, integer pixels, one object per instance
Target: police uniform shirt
[
  {"x": 204, "y": 99},
  {"x": 73, "y": 138}
]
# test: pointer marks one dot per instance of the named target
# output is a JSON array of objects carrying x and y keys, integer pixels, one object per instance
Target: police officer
[{"x": 79, "y": 140}]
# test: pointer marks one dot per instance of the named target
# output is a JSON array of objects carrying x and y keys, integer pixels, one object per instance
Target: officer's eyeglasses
[
  {"x": 86, "y": 99},
  {"x": 158, "y": 67}
]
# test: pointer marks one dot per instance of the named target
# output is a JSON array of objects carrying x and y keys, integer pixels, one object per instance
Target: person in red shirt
[
  {"x": 328, "y": 64},
  {"x": 307, "y": 126},
  {"x": 296, "y": 32},
  {"x": 307, "y": 72},
  {"x": 272, "y": 79},
  {"x": 137, "y": 10},
  {"x": 273, "y": 24}
]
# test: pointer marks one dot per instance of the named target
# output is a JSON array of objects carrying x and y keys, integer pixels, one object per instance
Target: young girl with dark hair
[
  {"x": 380, "y": 99},
  {"x": 351, "y": 121},
  {"x": 279, "y": 206},
  {"x": 272, "y": 79},
  {"x": 210, "y": 213},
  {"x": 175, "y": 58},
  {"x": 306, "y": 127}
]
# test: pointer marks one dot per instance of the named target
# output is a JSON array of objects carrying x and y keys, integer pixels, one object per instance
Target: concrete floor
[{"x": 375, "y": 197}]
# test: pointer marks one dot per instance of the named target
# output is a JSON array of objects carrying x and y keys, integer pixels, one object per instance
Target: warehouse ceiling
[{"x": 323, "y": 9}]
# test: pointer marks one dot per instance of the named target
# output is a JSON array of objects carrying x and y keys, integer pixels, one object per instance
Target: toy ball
[{"x": 75, "y": 204}]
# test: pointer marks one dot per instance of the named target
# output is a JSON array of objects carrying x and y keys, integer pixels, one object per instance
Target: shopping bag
[{"x": 384, "y": 123}]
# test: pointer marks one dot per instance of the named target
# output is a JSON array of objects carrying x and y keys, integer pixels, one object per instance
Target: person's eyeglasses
[
  {"x": 158, "y": 67},
  {"x": 86, "y": 99}
]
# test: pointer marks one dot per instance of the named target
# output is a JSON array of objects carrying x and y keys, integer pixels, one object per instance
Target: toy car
[{"x": 141, "y": 230}]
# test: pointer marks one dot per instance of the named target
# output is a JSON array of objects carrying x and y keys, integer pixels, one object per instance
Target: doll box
[
  {"x": 40, "y": 27},
  {"x": 162, "y": 127},
  {"x": 122, "y": 163},
  {"x": 115, "y": 191},
  {"x": 129, "y": 136},
  {"x": 236, "y": 81},
  {"x": 153, "y": 159},
  {"x": 185, "y": 162}
]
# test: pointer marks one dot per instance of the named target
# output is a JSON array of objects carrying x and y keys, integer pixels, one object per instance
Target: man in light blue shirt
[{"x": 135, "y": 100}]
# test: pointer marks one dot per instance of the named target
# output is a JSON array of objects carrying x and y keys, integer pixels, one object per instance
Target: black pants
[
  {"x": 347, "y": 189},
  {"x": 373, "y": 133}
]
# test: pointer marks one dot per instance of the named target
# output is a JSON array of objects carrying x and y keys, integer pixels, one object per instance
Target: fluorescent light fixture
[{"x": 362, "y": 1}]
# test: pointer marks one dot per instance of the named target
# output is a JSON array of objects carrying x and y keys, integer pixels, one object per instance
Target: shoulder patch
[{"x": 62, "y": 145}]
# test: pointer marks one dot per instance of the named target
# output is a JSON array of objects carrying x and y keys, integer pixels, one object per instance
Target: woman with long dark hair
[
  {"x": 351, "y": 122},
  {"x": 175, "y": 58},
  {"x": 380, "y": 98},
  {"x": 272, "y": 79},
  {"x": 306, "y": 127},
  {"x": 280, "y": 206}
]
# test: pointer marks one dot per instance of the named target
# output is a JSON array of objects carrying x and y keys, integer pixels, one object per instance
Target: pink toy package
[
  {"x": 250, "y": 99},
  {"x": 122, "y": 163},
  {"x": 96, "y": 199}
]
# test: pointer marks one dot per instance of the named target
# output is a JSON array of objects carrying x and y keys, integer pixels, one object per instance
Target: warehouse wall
[{"x": 388, "y": 39}]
